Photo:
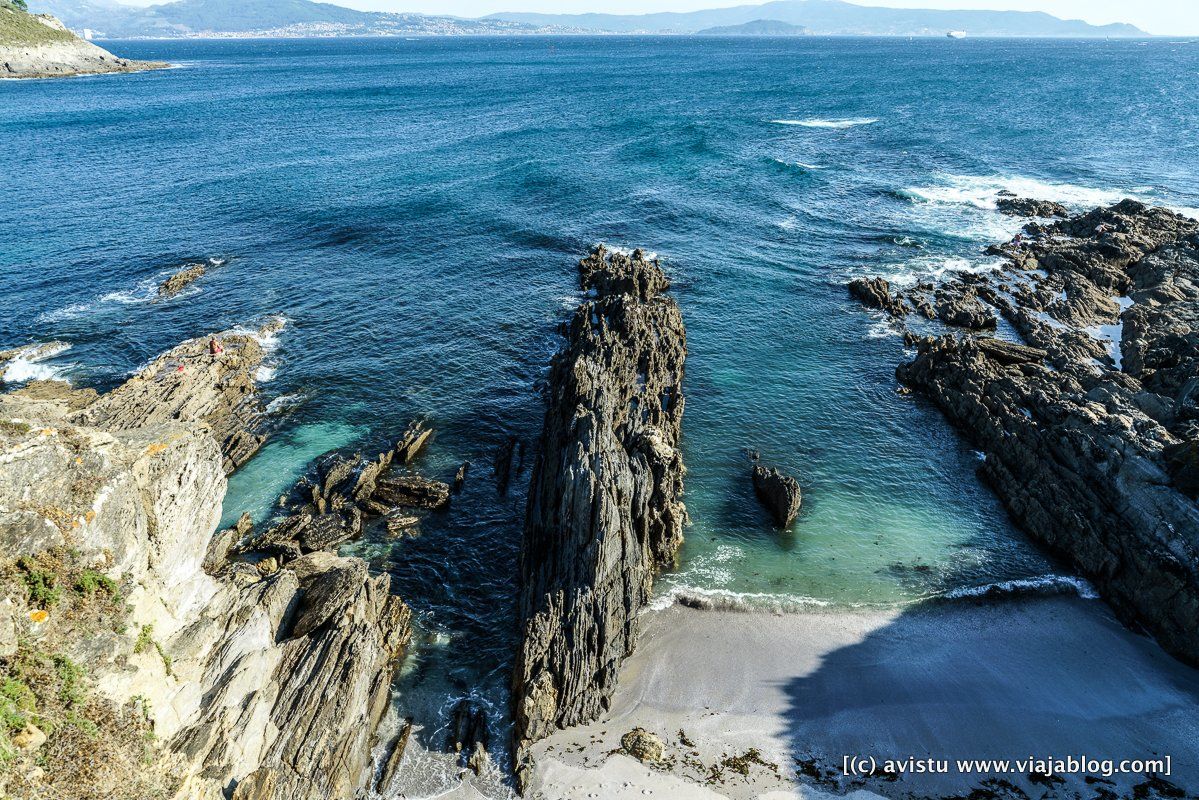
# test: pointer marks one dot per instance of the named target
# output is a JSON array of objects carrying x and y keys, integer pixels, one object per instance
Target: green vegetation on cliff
[{"x": 19, "y": 28}]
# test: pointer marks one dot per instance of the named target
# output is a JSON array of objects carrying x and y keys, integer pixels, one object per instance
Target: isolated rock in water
[
  {"x": 1025, "y": 207},
  {"x": 779, "y": 493},
  {"x": 643, "y": 745},
  {"x": 468, "y": 735},
  {"x": 412, "y": 491},
  {"x": 181, "y": 280},
  {"x": 189, "y": 384},
  {"x": 460, "y": 476},
  {"x": 876, "y": 293},
  {"x": 605, "y": 509},
  {"x": 412, "y": 441},
  {"x": 1089, "y": 425}
]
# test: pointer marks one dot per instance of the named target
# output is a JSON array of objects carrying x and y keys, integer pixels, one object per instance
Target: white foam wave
[
  {"x": 726, "y": 600},
  {"x": 935, "y": 268},
  {"x": 267, "y": 334},
  {"x": 835, "y": 124},
  {"x": 649, "y": 255},
  {"x": 982, "y": 192},
  {"x": 27, "y": 365},
  {"x": 883, "y": 329},
  {"x": 1043, "y": 584},
  {"x": 283, "y": 402}
]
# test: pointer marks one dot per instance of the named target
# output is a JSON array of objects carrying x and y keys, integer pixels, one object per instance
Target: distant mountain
[
  {"x": 191, "y": 18},
  {"x": 759, "y": 27},
  {"x": 836, "y": 18}
]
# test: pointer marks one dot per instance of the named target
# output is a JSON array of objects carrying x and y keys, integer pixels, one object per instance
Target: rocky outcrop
[
  {"x": 258, "y": 683},
  {"x": 190, "y": 383},
  {"x": 876, "y": 293},
  {"x": 326, "y": 509},
  {"x": 605, "y": 509},
  {"x": 180, "y": 280},
  {"x": 1015, "y": 206},
  {"x": 39, "y": 46},
  {"x": 779, "y": 493},
  {"x": 1089, "y": 428}
]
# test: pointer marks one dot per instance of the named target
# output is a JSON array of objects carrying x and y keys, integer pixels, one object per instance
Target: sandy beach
[{"x": 1041, "y": 677}]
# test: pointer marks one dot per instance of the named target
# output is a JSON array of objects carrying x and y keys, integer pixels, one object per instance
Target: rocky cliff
[
  {"x": 605, "y": 511},
  {"x": 129, "y": 669},
  {"x": 1087, "y": 413},
  {"x": 39, "y": 46}
]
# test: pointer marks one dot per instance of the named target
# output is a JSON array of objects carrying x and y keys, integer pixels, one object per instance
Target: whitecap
[
  {"x": 827, "y": 123},
  {"x": 883, "y": 329}
]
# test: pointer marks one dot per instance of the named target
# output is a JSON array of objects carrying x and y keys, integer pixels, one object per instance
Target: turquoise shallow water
[{"x": 415, "y": 210}]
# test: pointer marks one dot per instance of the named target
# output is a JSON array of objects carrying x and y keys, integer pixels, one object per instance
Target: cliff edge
[{"x": 137, "y": 659}]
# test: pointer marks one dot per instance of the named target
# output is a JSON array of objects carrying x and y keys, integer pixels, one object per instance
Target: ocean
[{"x": 415, "y": 210}]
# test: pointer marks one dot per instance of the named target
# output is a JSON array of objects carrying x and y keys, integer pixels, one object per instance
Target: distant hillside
[
  {"x": 759, "y": 27},
  {"x": 183, "y": 18},
  {"x": 187, "y": 18},
  {"x": 836, "y": 18}
]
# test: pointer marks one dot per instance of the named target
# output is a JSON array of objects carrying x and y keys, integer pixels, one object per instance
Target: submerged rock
[
  {"x": 779, "y": 493},
  {"x": 605, "y": 511}
]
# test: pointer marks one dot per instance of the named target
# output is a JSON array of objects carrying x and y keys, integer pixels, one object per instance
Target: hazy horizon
[{"x": 1159, "y": 17}]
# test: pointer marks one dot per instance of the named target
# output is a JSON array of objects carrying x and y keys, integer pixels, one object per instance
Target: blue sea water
[{"x": 415, "y": 208}]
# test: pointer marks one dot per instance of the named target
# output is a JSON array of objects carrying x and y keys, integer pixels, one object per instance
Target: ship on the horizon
[{"x": 956, "y": 34}]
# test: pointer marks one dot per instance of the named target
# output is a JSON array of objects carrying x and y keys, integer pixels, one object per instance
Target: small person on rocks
[{"x": 215, "y": 347}]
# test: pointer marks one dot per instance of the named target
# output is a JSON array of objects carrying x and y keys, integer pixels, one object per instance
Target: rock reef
[
  {"x": 1087, "y": 411},
  {"x": 249, "y": 682},
  {"x": 605, "y": 508}
]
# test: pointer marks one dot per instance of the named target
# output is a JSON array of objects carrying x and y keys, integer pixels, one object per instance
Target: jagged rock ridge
[{"x": 605, "y": 511}]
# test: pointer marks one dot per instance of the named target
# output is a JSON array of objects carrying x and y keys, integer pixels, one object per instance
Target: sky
[{"x": 1164, "y": 17}]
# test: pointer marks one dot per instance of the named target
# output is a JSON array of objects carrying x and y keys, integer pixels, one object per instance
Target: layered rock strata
[
  {"x": 605, "y": 508},
  {"x": 257, "y": 683}
]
